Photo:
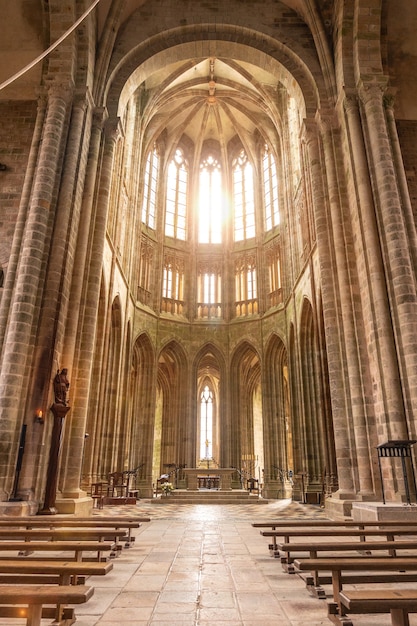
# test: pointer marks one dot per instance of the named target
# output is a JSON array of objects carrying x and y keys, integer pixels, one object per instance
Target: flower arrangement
[{"x": 167, "y": 488}]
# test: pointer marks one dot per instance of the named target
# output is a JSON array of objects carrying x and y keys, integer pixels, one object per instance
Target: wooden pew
[
  {"x": 118, "y": 523},
  {"x": 59, "y": 572},
  {"x": 78, "y": 548},
  {"x": 288, "y": 550},
  {"x": 399, "y": 602},
  {"x": 314, "y": 523},
  {"x": 287, "y": 533},
  {"x": 65, "y": 534},
  {"x": 362, "y": 570},
  {"x": 35, "y": 596}
]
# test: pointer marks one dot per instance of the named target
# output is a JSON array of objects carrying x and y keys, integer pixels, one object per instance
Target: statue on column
[{"x": 61, "y": 386}]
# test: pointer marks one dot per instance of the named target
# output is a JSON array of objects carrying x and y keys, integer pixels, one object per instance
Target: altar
[{"x": 206, "y": 478}]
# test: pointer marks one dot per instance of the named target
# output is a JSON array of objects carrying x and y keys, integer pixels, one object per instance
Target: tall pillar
[
  {"x": 387, "y": 393},
  {"x": 90, "y": 273},
  {"x": 337, "y": 374},
  {"x": 19, "y": 230},
  {"x": 400, "y": 272},
  {"x": 353, "y": 336},
  {"x": 29, "y": 278}
]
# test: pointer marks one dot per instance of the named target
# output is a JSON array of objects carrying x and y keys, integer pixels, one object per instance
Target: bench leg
[
  {"x": 34, "y": 615},
  {"x": 399, "y": 617}
]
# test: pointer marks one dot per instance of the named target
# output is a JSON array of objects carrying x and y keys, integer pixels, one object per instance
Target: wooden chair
[
  {"x": 118, "y": 485},
  {"x": 98, "y": 493}
]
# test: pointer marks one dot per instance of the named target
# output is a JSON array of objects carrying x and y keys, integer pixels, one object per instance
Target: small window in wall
[
  {"x": 243, "y": 198},
  {"x": 206, "y": 424},
  {"x": 270, "y": 185},
  {"x": 246, "y": 289},
  {"x": 210, "y": 203},
  {"x": 173, "y": 285},
  {"x": 150, "y": 185},
  {"x": 275, "y": 279},
  {"x": 209, "y": 292},
  {"x": 145, "y": 272},
  {"x": 176, "y": 198}
]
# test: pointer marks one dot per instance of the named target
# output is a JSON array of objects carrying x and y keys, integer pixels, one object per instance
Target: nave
[{"x": 195, "y": 565}]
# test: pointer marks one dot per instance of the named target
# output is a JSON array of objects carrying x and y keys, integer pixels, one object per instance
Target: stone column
[
  {"x": 353, "y": 337},
  {"x": 21, "y": 218},
  {"x": 92, "y": 259},
  {"x": 400, "y": 270},
  {"x": 340, "y": 408},
  {"x": 388, "y": 400},
  {"x": 29, "y": 277}
]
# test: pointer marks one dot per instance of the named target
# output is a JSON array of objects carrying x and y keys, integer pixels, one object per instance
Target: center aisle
[{"x": 198, "y": 565}]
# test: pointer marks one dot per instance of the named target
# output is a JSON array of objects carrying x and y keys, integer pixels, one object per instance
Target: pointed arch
[
  {"x": 278, "y": 427},
  {"x": 246, "y": 408},
  {"x": 172, "y": 383},
  {"x": 141, "y": 384},
  {"x": 209, "y": 368}
]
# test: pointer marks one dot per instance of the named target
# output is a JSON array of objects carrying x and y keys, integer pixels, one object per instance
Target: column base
[
  {"x": 80, "y": 507},
  {"x": 393, "y": 511},
  {"x": 18, "y": 508}
]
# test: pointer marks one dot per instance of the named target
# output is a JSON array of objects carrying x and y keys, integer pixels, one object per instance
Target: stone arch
[
  {"x": 171, "y": 405},
  {"x": 279, "y": 457},
  {"x": 245, "y": 372},
  {"x": 209, "y": 366},
  {"x": 311, "y": 402},
  {"x": 141, "y": 389}
]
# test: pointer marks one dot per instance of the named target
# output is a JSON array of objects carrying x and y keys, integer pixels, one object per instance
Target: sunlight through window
[{"x": 210, "y": 210}]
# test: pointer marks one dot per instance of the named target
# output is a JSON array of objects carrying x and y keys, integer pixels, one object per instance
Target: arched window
[
  {"x": 246, "y": 286},
  {"x": 206, "y": 424},
  {"x": 173, "y": 285},
  {"x": 270, "y": 184},
  {"x": 273, "y": 259},
  {"x": 210, "y": 206},
  {"x": 176, "y": 197},
  {"x": 209, "y": 291},
  {"x": 150, "y": 184},
  {"x": 243, "y": 198}
]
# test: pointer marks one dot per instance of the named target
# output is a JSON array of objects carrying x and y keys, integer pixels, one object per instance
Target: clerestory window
[
  {"x": 210, "y": 204},
  {"x": 270, "y": 187},
  {"x": 150, "y": 185},
  {"x": 176, "y": 197},
  {"x": 243, "y": 198}
]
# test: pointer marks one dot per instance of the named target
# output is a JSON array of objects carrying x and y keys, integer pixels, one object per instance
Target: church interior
[{"x": 208, "y": 251}]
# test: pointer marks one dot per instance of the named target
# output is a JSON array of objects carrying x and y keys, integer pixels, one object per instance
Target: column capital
[{"x": 374, "y": 91}]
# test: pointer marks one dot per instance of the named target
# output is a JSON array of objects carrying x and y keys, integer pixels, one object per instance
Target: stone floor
[{"x": 202, "y": 565}]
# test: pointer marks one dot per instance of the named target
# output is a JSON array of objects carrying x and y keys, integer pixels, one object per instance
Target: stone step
[{"x": 209, "y": 496}]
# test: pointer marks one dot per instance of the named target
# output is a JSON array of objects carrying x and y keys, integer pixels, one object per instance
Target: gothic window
[
  {"x": 206, "y": 424},
  {"x": 145, "y": 272},
  {"x": 275, "y": 280},
  {"x": 210, "y": 210},
  {"x": 209, "y": 292},
  {"x": 246, "y": 286},
  {"x": 150, "y": 189},
  {"x": 243, "y": 198},
  {"x": 270, "y": 185},
  {"x": 176, "y": 197},
  {"x": 173, "y": 285}
]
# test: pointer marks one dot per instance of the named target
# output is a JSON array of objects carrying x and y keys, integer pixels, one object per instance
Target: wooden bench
[
  {"x": 287, "y": 550},
  {"x": 63, "y": 534},
  {"x": 314, "y": 523},
  {"x": 399, "y": 602},
  {"x": 362, "y": 570},
  {"x": 50, "y": 572},
  {"x": 33, "y": 597},
  {"x": 117, "y": 523},
  {"x": 78, "y": 548},
  {"x": 287, "y": 533}
]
